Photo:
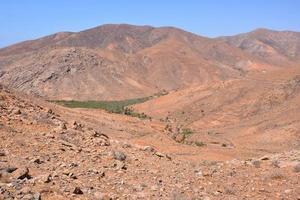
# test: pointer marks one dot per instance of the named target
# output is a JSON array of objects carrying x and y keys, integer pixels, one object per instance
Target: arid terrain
[
  {"x": 221, "y": 122},
  {"x": 123, "y": 61}
]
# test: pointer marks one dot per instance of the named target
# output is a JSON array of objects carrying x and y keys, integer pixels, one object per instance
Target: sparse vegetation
[
  {"x": 199, "y": 144},
  {"x": 186, "y": 131},
  {"x": 183, "y": 134},
  {"x": 110, "y": 106},
  {"x": 224, "y": 145},
  {"x": 119, "y": 107},
  {"x": 129, "y": 111}
]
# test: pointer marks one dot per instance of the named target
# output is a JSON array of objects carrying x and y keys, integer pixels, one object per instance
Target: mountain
[
  {"x": 276, "y": 47},
  {"x": 226, "y": 127},
  {"x": 123, "y": 61}
]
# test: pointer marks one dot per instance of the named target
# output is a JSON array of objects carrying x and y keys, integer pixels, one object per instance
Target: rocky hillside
[
  {"x": 275, "y": 47},
  {"x": 47, "y": 153},
  {"x": 259, "y": 113},
  {"x": 126, "y": 61}
]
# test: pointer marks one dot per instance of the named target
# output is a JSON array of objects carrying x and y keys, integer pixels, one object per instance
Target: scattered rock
[
  {"x": 179, "y": 138},
  {"x": 72, "y": 175},
  {"x": 149, "y": 149},
  {"x": 159, "y": 154},
  {"x": 97, "y": 134},
  {"x": 37, "y": 161},
  {"x": 101, "y": 196},
  {"x": 17, "y": 112},
  {"x": 21, "y": 173},
  {"x": 256, "y": 163},
  {"x": 37, "y": 196},
  {"x": 77, "y": 190},
  {"x": 287, "y": 191},
  {"x": 118, "y": 155},
  {"x": 297, "y": 168},
  {"x": 179, "y": 196},
  {"x": 8, "y": 169},
  {"x": 46, "y": 178},
  {"x": 25, "y": 190},
  {"x": 77, "y": 126},
  {"x": 62, "y": 126},
  {"x": 275, "y": 163},
  {"x": 264, "y": 158},
  {"x": 28, "y": 197},
  {"x": 100, "y": 139},
  {"x": 119, "y": 165}
]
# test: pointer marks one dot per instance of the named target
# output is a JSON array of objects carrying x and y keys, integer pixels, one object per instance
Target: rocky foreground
[{"x": 44, "y": 156}]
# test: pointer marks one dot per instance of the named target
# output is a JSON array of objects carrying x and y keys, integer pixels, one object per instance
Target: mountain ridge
[{"x": 125, "y": 61}]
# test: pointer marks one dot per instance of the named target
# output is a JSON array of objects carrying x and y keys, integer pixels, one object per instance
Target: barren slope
[
  {"x": 122, "y": 61},
  {"x": 50, "y": 152},
  {"x": 276, "y": 47},
  {"x": 257, "y": 114}
]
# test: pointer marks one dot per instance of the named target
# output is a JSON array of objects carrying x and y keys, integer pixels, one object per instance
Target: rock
[
  {"x": 49, "y": 135},
  {"x": 17, "y": 112},
  {"x": 127, "y": 145},
  {"x": 119, "y": 165},
  {"x": 77, "y": 126},
  {"x": 100, "y": 139},
  {"x": 118, "y": 155},
  {"x": 297, "y": 168},
  {"x": 179, "y": 138},
  {"x": 45, "y": 178},
  {"x": 275, "y": 164},
  {"x": 8, "y": 169},
  {"x": 62, "y": 126},
  {"x": 4, "y": 177},
  {"x": 77, "y": 190},
  {"x": 264, "y": 158},
  {"x": 21, "y": 173},
  {"x": 206, "y": 172},
  {"x": 25, "y": 190},
  {"x": 179, "y": 196},
  {"x": 73, "y": 164},
  {"x": 2, "y": 153},
  {"x": 168, "y": 157},
  {"x": 97, "y": 134},
  {"x": 37, "y": 196},
  {"x": 28, "y": 197},
  {"x": 159, "y": 154},
  {"x": 101, "y": 196},
  {"x": 73, "y": 176},
  {"x": 149, "y": 149},
  {"x": 154, "y": 188},
  {"x": 256, "y": 163},
  {"x": 37, "y": 161},
  {"x": 287, "y": 191}
]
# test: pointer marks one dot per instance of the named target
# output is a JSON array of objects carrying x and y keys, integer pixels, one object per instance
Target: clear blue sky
[{"x": 28, "y": 19}]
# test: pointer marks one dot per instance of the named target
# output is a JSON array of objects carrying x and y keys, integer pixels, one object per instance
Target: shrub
[
  {"x": 186, "y": 131},
  {"x": 200, "y": 144}
]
